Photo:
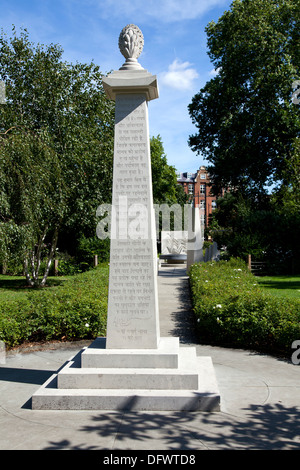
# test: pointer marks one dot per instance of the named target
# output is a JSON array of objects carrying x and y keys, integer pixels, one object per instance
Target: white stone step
[
  {"x": 165, "y": 356},
  {"x": 205, "y": 398},
  {"x": 185, "y": 377}
]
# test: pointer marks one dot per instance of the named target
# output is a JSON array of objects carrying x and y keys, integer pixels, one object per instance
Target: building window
[
  {"x": 214, "y": 204},
  {"x": 191, "y": 189},
  {"x": 203, "y": 176},
  {"x": 202, "y": 188},
  {"x": 202, "y": 204}
]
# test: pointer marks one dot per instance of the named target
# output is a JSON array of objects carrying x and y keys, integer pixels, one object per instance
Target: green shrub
[
  {"x": 67, "y": 265},
  {"x": 89, "y": 247},
  {"x": 77, "y": 309},
  {"x": 233, "y": 310},
  {"x": 14, "y": 328}
]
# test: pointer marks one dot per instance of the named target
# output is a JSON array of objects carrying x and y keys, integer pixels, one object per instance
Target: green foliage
[
  {"x": 75, "y": 310},
  {"x": 89, "y": 247},
  {"x": 287, "y": 286},
  {"x": 67, "y": 265},
  {"x": 247, "y": 126},
  {"x": 233, "y": 310},
  {"x": 83, "y": 259},
  {"x": 245, "y": 118},
  {"x": 14, "y": 239},
  {"x": 166, "y": 191},
  {"x": 34, "y": 191},
  {"x": 163, "y": 175},
  {"x": 286, "y": 196},
  {"x": 56, "y": 147},
  {"x": 246, "y": 226}
]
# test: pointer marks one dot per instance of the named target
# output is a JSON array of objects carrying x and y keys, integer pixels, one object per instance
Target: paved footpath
[{"x": 260, "y": 399}]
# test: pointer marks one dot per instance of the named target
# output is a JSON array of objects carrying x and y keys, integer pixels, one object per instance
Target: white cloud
[
  {"x": 177, "y": 10},
  {"x": 180, "y": 75},
  {"x": 161, "y": 10},
  {"x": 214, "y": 72}
]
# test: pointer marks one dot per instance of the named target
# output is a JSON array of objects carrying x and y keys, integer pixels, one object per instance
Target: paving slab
[{"x": 260, "y": 398}]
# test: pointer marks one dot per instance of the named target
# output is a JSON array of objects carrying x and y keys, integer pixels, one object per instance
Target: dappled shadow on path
[
  {"x": 257, "y": 427},
  {"x": 263, "y": 427},
  {"x": 183, "y": 319}
]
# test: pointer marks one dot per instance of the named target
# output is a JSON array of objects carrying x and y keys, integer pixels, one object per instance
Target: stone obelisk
[
  {"x": 132, "y": 368},
  {"x": 132, "y": 319}
]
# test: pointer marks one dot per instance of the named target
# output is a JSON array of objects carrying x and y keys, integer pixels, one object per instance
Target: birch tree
[
  {"x": 35, "y": 201},
  {"x": 56, "y": 131}
]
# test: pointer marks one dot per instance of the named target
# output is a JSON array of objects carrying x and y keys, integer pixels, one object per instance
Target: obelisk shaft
[{"x": 132, "y": 320}]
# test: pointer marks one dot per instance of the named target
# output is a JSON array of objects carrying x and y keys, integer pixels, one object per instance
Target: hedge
[
  {"x": 75, "y": 310},
  {"x": 231, "y": 309}
]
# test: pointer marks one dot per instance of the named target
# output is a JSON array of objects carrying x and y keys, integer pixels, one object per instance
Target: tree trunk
[
  {"x": 4, "y": 267},
  {"x": 35, "y": 261},
  {"x": 27, "y": 275}
]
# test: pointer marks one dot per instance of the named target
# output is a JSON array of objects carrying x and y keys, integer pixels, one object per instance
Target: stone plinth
[
  {"x": 164, "y": 356},
  {"x": 170, "y": 378}
]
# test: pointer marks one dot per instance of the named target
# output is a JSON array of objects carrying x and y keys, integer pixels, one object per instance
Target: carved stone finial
[{"x": 131, "y": 43}]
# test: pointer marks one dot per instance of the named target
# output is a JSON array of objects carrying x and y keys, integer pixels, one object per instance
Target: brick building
[{"x": 198, "y": 187}]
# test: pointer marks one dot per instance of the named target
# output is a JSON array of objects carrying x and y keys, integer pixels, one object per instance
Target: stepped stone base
[{"x": 167, "y": 378}]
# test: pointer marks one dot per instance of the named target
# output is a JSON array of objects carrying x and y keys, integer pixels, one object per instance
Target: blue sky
[{"x": 174, "y": 50}]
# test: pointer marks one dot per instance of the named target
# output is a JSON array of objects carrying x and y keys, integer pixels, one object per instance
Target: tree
[
  {"x": 245, "y": 118},
  {"x": 246, "y": 226},
  {"x": 35, "y": 204},
  {"x": 163, "y": 175},
  {"x": 60, "y": 112},
  {"x": 167, "y": 193},
  {"x": 286, "y": 197}
]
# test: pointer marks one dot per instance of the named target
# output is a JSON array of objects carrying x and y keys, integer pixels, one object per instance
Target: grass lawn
[
  {"x": 16, "y": 288},
  {"x": 286, "y": 286}
]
